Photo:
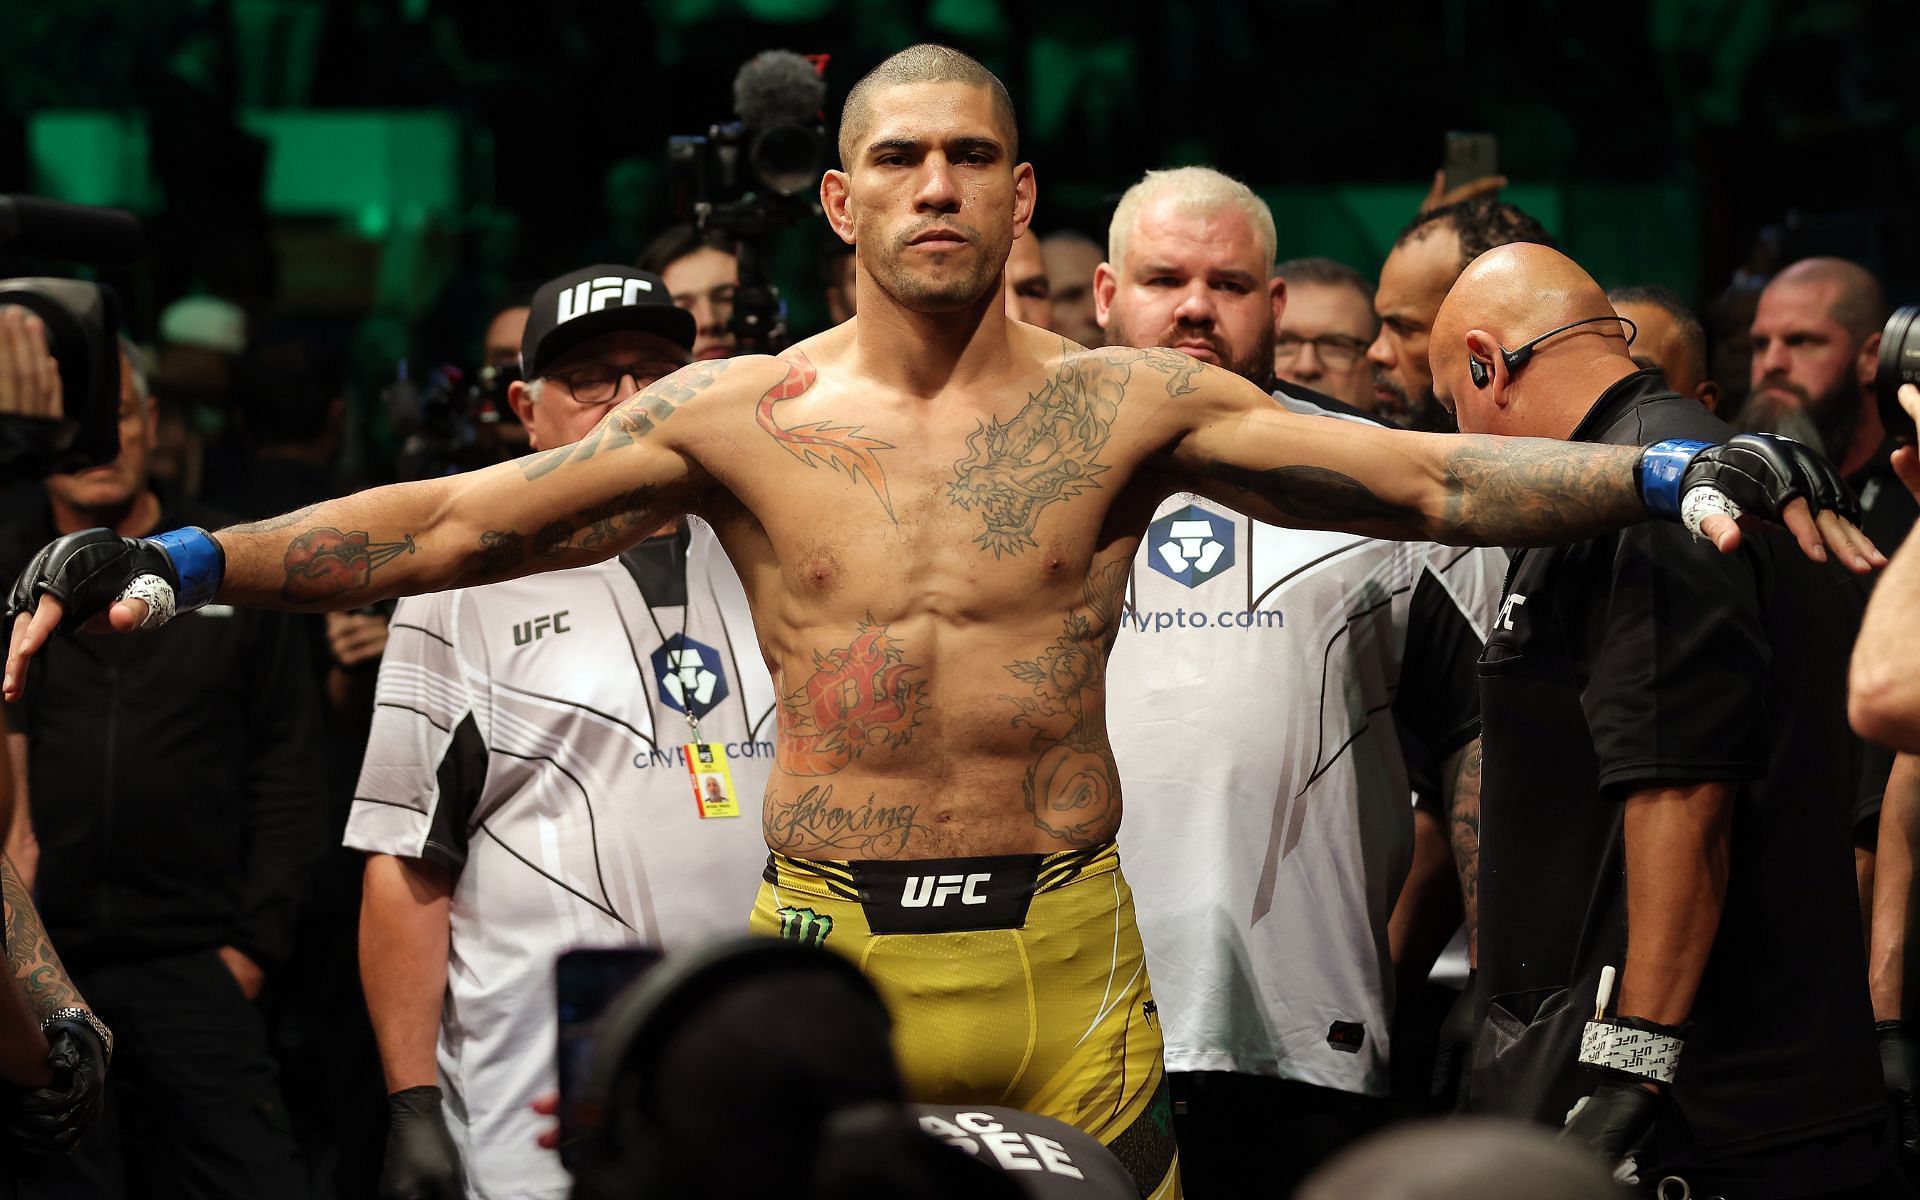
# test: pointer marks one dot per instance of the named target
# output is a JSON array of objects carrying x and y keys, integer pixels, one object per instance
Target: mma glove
[
  {"x": 1900, "y": 1067},
  {"x": 422, "y": 1162},
  {"x": 52, "y": 1119},
  {"x": 174, "y": 572},
  {"x": 1754, "y": 473},
  {"x": 1615, "y": 1118}
]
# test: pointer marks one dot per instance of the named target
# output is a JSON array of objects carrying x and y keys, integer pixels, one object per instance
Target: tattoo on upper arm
[
  {"x": 30, "y": 952},
  {"x": 1315, "y": 495},
  {"x": 324, "y": 563},
  {"x": 1073, "y": 788},
  {"x": 1050, "y": 449},
  {"x": 859, "y": 696},
  {"x": 631, "y": 420},
  {"x": 841, "y": 447}
]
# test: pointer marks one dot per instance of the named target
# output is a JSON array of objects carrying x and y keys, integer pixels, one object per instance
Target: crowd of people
[{"x": 1453, "y": 783}]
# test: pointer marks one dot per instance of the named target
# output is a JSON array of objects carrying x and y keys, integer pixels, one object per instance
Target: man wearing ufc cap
[{"x": 526, "y": 788}]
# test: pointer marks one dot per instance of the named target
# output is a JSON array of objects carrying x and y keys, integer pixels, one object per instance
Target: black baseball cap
[{"x": 596, "y": 300}]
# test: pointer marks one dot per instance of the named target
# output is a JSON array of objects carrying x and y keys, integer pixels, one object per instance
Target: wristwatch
[{"x": 81, "y": 1014}]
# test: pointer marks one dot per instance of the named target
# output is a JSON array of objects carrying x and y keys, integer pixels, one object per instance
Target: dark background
[{"x": 392, "y": 167}]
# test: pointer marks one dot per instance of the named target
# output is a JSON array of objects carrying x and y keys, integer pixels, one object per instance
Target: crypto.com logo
[
  {"x": 1190, "y": 546},
  {"x": 691, "y": 677}
]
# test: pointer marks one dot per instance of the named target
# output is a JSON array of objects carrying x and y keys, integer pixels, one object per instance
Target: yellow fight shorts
[{"x": 1016, "y": 980}]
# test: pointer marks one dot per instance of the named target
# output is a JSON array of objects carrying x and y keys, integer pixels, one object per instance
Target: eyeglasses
[
  {"x": 1337, "y": 350},
  {"x": 597, "y": 383}
]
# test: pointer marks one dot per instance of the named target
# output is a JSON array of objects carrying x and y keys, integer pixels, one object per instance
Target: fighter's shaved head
[
  {"x": 1857, "y": 303},
  {"x": 924, "y": 63}
]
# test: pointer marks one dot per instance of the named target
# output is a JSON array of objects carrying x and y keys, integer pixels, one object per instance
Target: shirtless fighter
[{"x": 933, "y": 510}]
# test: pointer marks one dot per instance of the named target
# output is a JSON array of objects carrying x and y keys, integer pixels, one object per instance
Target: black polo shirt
[{"x": 1646, "y": 658}]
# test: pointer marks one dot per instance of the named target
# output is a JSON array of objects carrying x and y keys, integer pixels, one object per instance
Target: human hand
[
  {"x": 29, "y": 377},
  {"x": 1440, "y": 195},
  {"x": 245, "y": 972},
  {"x": 356, "y": 638}
]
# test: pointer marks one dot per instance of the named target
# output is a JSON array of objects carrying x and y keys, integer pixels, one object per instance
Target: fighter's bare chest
[{"x": 1003, "y": 474}]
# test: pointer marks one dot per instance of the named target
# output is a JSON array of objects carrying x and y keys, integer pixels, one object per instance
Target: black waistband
[{"x": 947, "y": 895}]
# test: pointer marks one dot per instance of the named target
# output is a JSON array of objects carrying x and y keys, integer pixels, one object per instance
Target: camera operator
[
  {"x": 176, "y": 783},
  {"x": 702, "y": 274}
]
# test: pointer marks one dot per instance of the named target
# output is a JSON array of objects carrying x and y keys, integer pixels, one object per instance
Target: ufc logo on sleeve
[
  {"x": 595, "y": 294},
  {"x": 946, "y": 895}
]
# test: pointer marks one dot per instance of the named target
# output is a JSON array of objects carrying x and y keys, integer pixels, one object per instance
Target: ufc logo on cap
[
  {"x": 933, "y": 891},
  {"x": 595, "y": 294}
]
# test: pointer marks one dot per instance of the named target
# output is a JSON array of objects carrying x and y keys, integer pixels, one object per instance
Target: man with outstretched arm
[{"x": 932, "y": 510}]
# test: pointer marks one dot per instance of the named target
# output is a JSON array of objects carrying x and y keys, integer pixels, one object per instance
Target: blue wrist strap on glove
[
  {"x": 198, "y": 560},
  {"x": 1658, "y": 474}
]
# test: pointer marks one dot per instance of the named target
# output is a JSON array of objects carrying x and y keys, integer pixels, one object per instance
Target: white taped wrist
[
  {"x": 1703, "y": 502},
  {"x": 1638, "y": 1052},
  {"x": 157, "y": 593}
]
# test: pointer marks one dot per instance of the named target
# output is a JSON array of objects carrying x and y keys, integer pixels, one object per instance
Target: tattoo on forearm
[
  {"x": 595, "y": 527},
  {"x": 1048, "y": 451},
  {"x": 1532, "y": 492},
  {"x": 1464, "y": 828},
  {"x": 815, "y": 821},
  {"x": 841, "y": 447},
  {"x": 860, "y": 696},
  {"x": 631, "y": 420},
  {"x": 1073, "y": 788},
  {"x": 322, "y": 564},
  {"x": 30, "y": 953}
]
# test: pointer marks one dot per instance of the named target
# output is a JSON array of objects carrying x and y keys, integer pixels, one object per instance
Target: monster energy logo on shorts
[{"x": 804, "y": 925}]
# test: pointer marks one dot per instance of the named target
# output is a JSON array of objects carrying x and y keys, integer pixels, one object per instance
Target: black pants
[
  {"x": 193, "y": 1105},
  {"x": 1236, "y": 1128}
]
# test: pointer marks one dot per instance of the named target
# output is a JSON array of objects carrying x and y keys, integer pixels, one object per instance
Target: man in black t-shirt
[{"x": 1666, "y": 753}]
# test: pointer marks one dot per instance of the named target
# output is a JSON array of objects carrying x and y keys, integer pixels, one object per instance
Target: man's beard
[
  {"x": 1424, "y": 413},
  {"x": 1255, "y": 364},
  {"x": 1825, "y": 422}
]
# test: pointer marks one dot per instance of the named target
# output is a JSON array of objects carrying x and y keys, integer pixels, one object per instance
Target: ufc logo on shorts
[
  {"x": 933, "y": 891},
  {"x": 595, "y": 294}
]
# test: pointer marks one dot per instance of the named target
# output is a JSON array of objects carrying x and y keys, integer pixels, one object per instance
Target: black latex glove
[
  {"x": 422, "y": 1162},
  {"x": 1612, "y": 1121},
  {"x": 1900, "y": 1066},
  {"x": 52, "y": 1119}
]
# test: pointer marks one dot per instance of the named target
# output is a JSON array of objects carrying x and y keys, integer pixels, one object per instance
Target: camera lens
[{"x": 1899, "y": 363}]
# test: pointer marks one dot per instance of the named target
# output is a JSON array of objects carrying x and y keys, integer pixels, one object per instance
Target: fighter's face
[
  {"x": 1195, "y": 282},
  {"x": 1413, "y": 282},
  {"x": 932, "y": 198}
]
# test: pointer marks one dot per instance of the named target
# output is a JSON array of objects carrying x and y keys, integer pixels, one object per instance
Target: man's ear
[
  {"x": 1025, "y": 196},
  {"x": 1867, "y": 365},
  {"x": 1277, "y": 291},
  {"x": 836, "y": 200},
  {"x": 520, "y": 400},
  {"x": 1105, "y": 283},
  {"x": 1708, "y": 394},
  {"x": 1484, "y": 348}
]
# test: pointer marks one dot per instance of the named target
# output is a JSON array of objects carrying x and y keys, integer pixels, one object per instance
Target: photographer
[{"x": 176, "y": 782}]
